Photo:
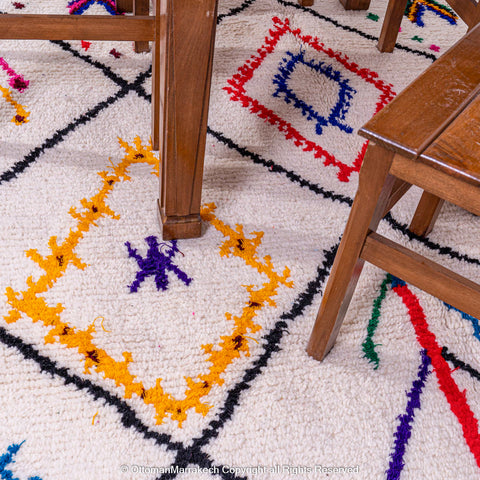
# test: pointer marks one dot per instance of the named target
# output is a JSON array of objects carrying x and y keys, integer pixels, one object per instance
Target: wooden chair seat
[{"x": 428, "y": 137}]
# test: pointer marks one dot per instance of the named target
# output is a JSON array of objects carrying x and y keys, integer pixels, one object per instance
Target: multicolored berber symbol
[
  {"x": 17, "y": 82},
  {"x": 157, "y": 263},
  {"x": 416, "y": 8},
  {"x": 31, "y": 303},
  {"x": 432, "y": 354},
  {"x": 336, "y": 116},
  {"x": 77, "y": 7},
  {"x": 238, "y": 83}
]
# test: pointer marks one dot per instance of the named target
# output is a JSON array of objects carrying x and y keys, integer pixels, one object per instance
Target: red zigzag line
[{"x": 456, "y": 398}]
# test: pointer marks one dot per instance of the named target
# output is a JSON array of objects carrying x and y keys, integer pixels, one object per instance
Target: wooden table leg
[{"x": 182, "y": 68}]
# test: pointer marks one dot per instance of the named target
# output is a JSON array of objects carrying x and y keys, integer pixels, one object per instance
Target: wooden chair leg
[
  {"x": 306, "y": 3},
  {"x": 182, "y": 78},
  {"x": 426, "y": 214},
  {"x": 373, "y": 195},
  {"x": 141, "y": 7},
  {"x": 399, "y": 189},
  {"x": 124, "y": 6},
  {"x": 391, "y": 25},
  {"x": 355, "y": 4}
]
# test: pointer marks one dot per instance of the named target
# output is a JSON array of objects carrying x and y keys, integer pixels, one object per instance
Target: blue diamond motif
[{"x": 336, "y": 116}]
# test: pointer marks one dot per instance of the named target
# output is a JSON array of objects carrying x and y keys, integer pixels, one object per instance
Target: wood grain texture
[
  {"x": 456, "y": 150},
  {"x": 75, "y": 27},
  {"x": 399, "y": 189},
  {"x": 183, "y": 35},
  {"x": 414, "y": 118},
  {"x": 187, "y": 52},
  {"x": 432, "y": 143},
  {"x": 451, "y": 188},
  {"x": 158, "y": 73}
]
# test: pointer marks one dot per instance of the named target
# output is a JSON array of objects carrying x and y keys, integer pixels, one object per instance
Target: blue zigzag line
[
  {"x": 7, "y": 458},
  {"x": 421, "y": 8},
  {"x": 345, "y": 94},
  {"x": 404, "y": 429},
  {"x": 449, "y": 19}
]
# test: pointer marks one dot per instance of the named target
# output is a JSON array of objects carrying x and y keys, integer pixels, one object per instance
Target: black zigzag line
[
  {"x": 271, "y": 343},
  {"x": 442, "y": 250},
  {"x": 107, "y": 71},
  {"x": 235, "y": 10},
  {"x": 20, "y": 166},
  {"x": 248, "y": 3},
  {"x": 457, "y": 363},
  {"x": 275, "y": 168},
  {"x": 354, "y": 30},
  {"x": 128, "y": 416},
  {"x": 272, "y": 167},
  {"x": 191, "y": 455}
]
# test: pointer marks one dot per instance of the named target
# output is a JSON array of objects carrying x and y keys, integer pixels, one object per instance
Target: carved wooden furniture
[
  {"x": 426, "y": 137},
  {"x": 182, "y": 35}
]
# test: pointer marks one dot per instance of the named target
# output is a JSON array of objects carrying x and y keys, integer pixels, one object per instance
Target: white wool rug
[{"x": 125, "y": 357}]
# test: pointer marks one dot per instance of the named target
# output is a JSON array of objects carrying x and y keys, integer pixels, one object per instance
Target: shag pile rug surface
[{"x": 126, "y": 357}]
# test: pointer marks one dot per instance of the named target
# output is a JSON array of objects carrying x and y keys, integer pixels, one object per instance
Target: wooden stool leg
[
  {"x": 375, "y": 186},
  {"x": 391, "y": 25},
  {"x": 183, "y": 80},
  {"x": 355, "y": 4},
  {"x": 141, "y": 7},
  {"x": 426, "y": 214}
]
